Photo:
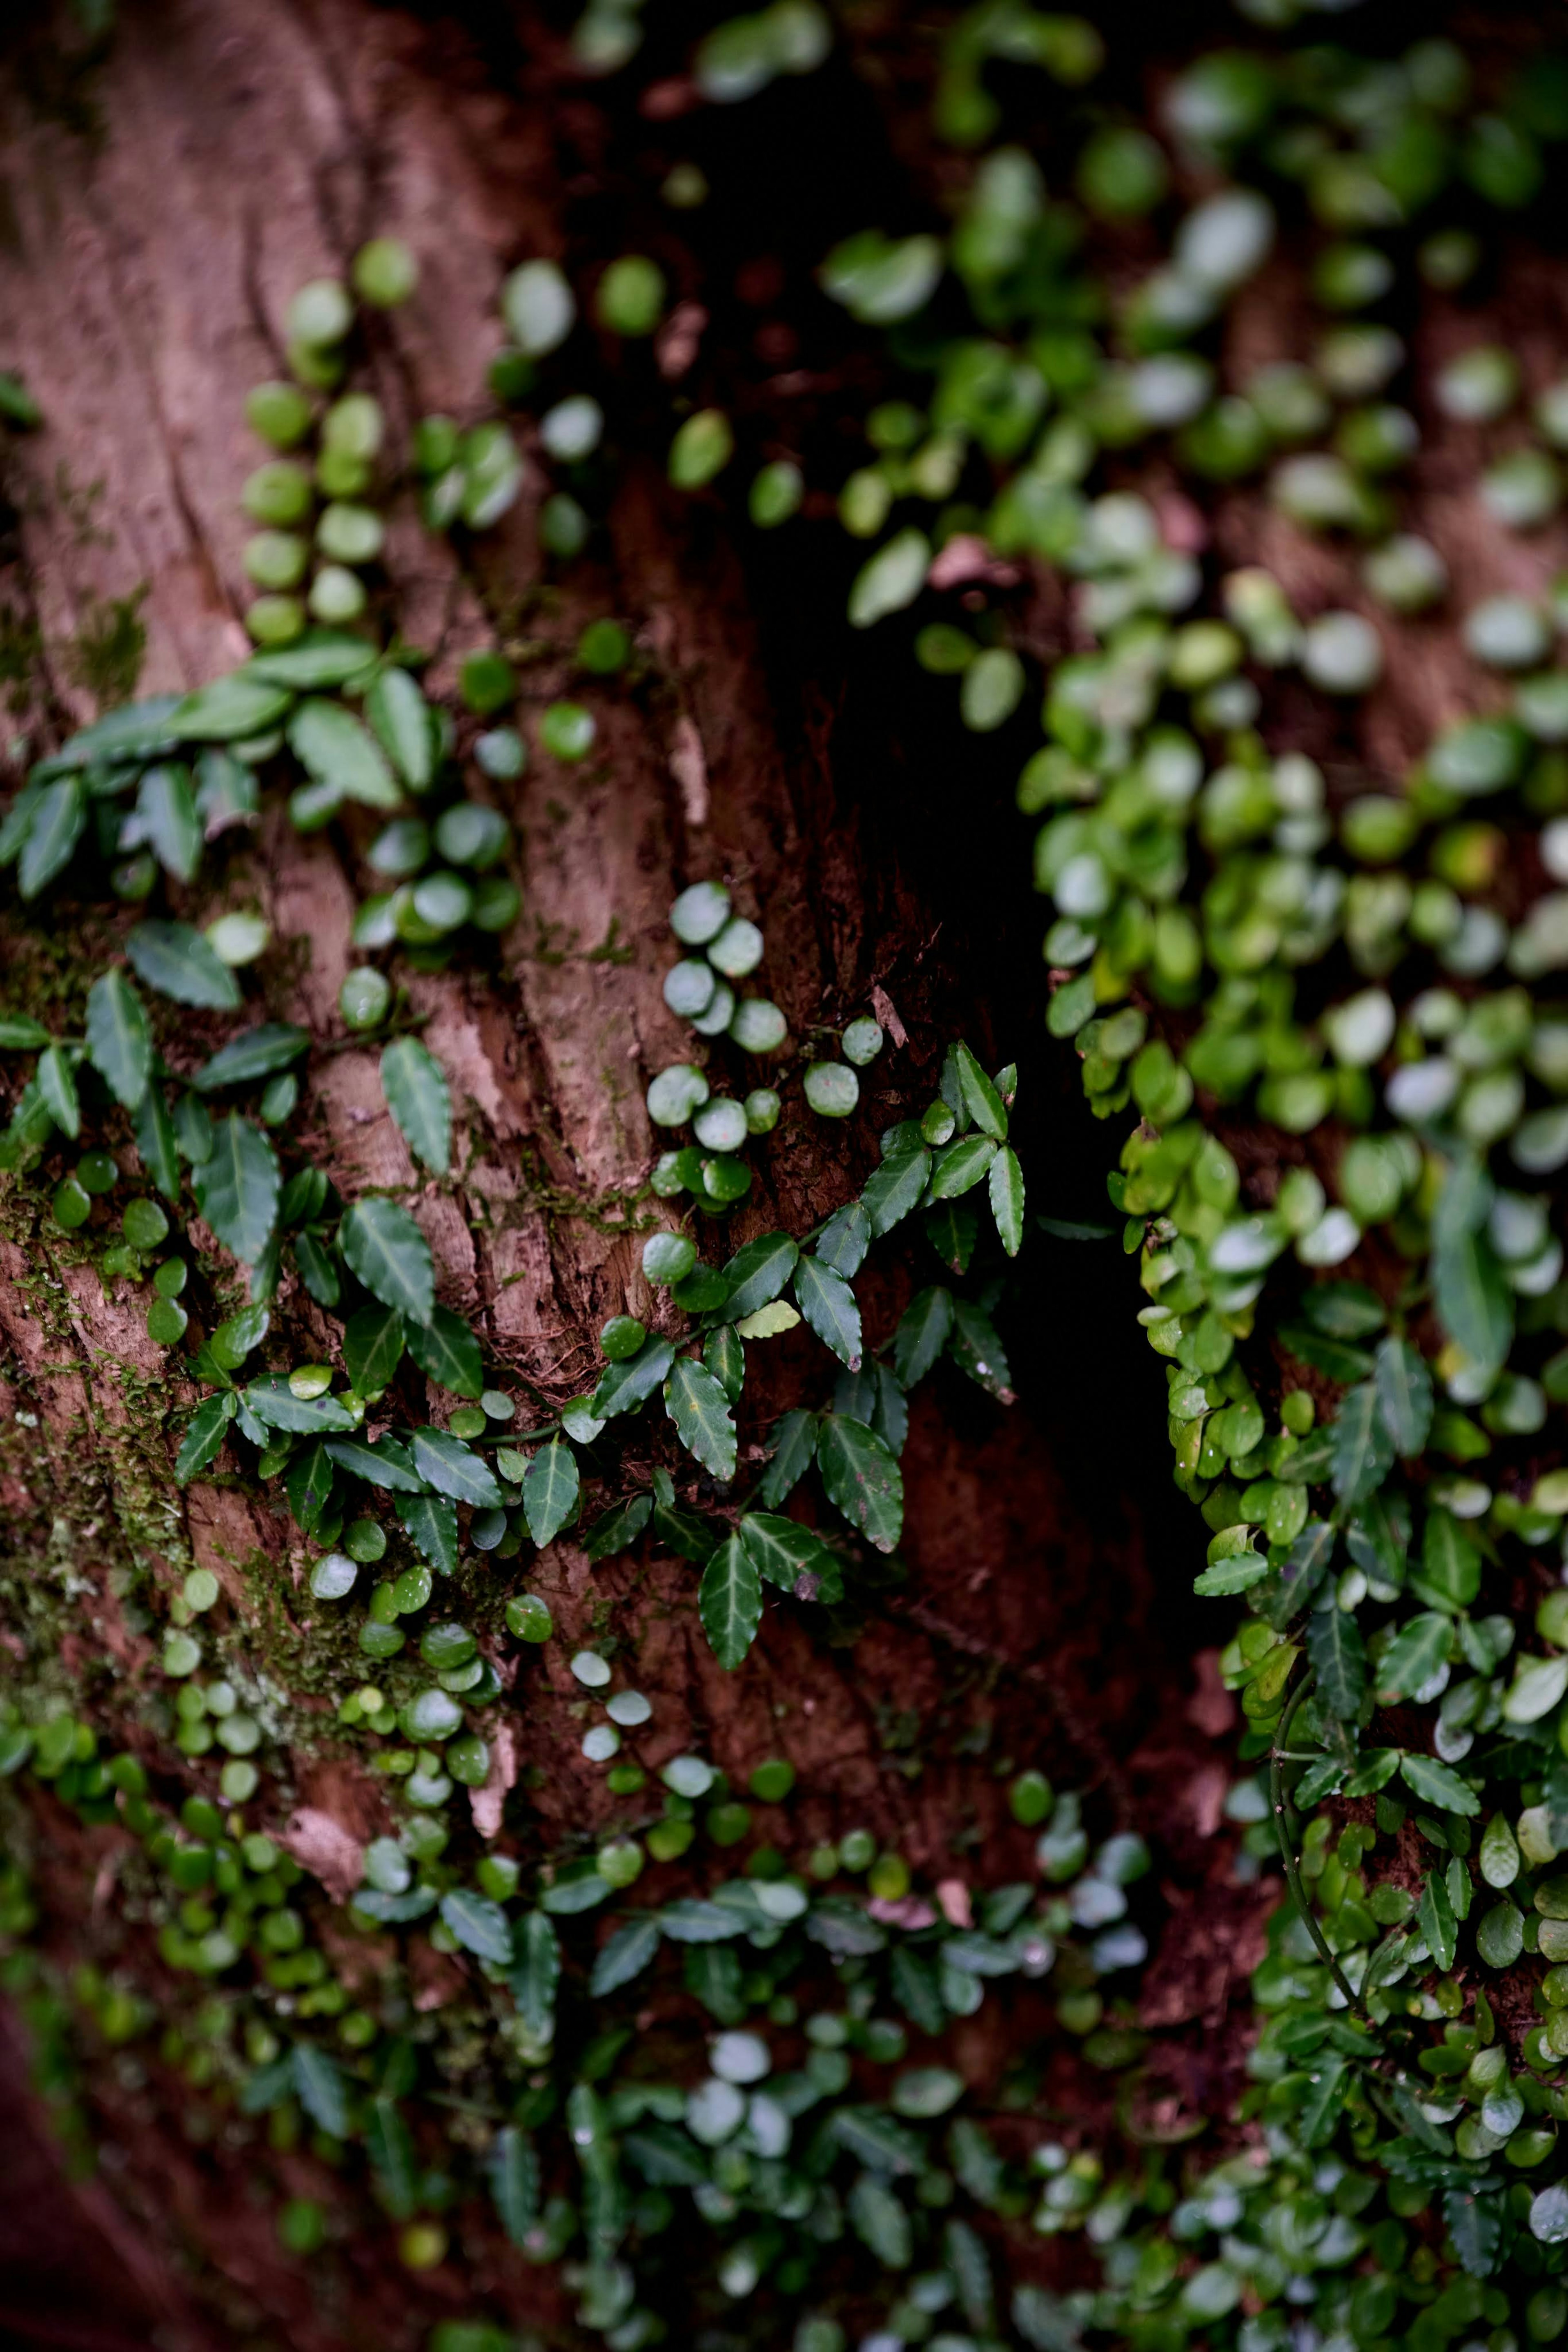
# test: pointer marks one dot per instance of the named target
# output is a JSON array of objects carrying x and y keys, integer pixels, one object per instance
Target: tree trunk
[{"x": 160, "y": 208}]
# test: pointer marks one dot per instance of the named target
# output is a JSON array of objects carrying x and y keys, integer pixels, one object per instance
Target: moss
[{"x": 107, "y": 653}]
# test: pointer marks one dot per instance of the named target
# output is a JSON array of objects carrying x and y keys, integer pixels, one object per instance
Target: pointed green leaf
[
  {"x": 960, "y": 1165},
  {"x": 390, "y": 2147},
  {"x": 155, "y": 1143},
  {"x": 1436, "y": 1921},
  {"x": 331, "y": 744},
  {"x": 782, "y": 1551},
  {"x": 404, "y": 725},
  {"x": 177, "y": 961},
  {"x": 729, "y": 1602},
  {"x": 205, "y": 1433},
  {"x": 1437, "y": 1784},
  {"x": 896, "y": 1187},
  {"x": 923, "y": 1332},
  {"x": 386, "y": 1464},
  {"x": 167, "y": 822},
  {"x": 793, "y": 1449},
  {"x": 757, "y": 1274},
  {"x": 1404, "y": 1395},
  {"x": 56, "y": 826},
  {"x": 260, "y": 1052},
  {"x": 229, "y": 708},
  {"x": 391, "y": 1257},
  {"x": 1362, "y": 1450},
  {"x": 137, "y": 731},
  {"x": 513, "y": 2173},
  {"x": 430, "y": 1523},
  {"x": 447, "y": 1354},
  {"x": 320, "y": 657},
  {"x": 619, "y": 1528},
  {"x": 21, "y": 1035},
  {"x": 320, "y": 2089},
  {"x": 861, "y": 1479},
  {"x": 827, "y": 1304},
  {"x": 480, "y": 1926},
  {"x": 1339, "y": 1659},
  {"x": 976, "y": 1348},
  {"x": 416, "y": 1088},
  {"x": 58, "y": 1087},
  {"x": 373, "y": 1348},
  {"x": 551, "y": 1492},
  {"x": 980, "y": 1098},
  {"x": 1418, "y": 1651},
  {"x": 1006, "y": 1185},
  {"x": 237, "y": 1189},
  {"x": 536, "y": 1973},
  {"x": 845, "y": 1238},
  {"x": 1475, "y": 2224},
  {"x": 275, "y": 1406},
  {"x": 1472, "y": 1299},
  {"x": 1315, "y": 2121},
  {"x": 623, "y": 1956},
  {"x": 118, "y": 1042},
  {"x": 632, "y": 1382},
  {"x": 454, "y": 1469},
  {"x": 700, "y": 1410}
]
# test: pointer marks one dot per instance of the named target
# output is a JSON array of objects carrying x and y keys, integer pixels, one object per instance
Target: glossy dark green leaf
[
  {"x": 390, "y": 2147},
  {"x": 782, "y": 1551},
  {"x": 1436, "y": 1919},
  {"x": 1336, "y": 1358},
  {"x": 1362, "y": 1450},
  {"x": 828, "y": 1306},
  {"x": 56, "y": 1085},
  {"x": 386, "y": 1464},
  {"x": 861, "y": 1479},
  {"x": 230, "y": 708},
  {"x": 454, "y": 1469},
  {"x": 951, "y": 1229},
  {"x": 404, "y": 724},
  {"x": 634, "y": 1379},
  {"x": 175, "y": 960},
  {"x": 757, "y": 1272},
  {"x": 385, "y": 1248},
  {"x": 137, "y": 731},
  {"x": 204, "y": 1434},
  {"x": 414, "y": 1085},
  {"x": 118, "y": 1042},
  {"x": 896, "y": 1188},
  {"x": 1437, "y": 1784},
  {"x": 1339, "y": 1660},
  {"x": 550, "y": 1491},
  {"x": 619, "y": 1528},
  {"x": 1416, "y": 1652},
  {"x": 275, "y": 1406},
  {"x": 842, "y": 1244},
  {"x": 155, "y": 1143},
  {"x": 53, "y": 831},
  {"x": 260, "y": 1053},
  {"x": 513, "y": 2169},
  {"x": 319, "y": 658},
  {"x": 1005, "y": 1181},
  {"x": 536, "y": 1971},
  {"x": 700, "y": 1411},
  {"x": 980, "y": 1098},
  {"x": 792, "y": 1446},
  {"x": 623, "y": 1956},
  {"x": 1404, "y": 1395},
  {"x": 237, "y": 1189},
  {"x": 319, "y": 2087},
  {"x": 923, "y": 1330},
  {"x": 373, "y": 1348},
  {"x": 480, "y": 1926},
  {"x": 976, "y": 1348},
  {"x": 430, "y": 1522},
  {"x": 167, "y": 822},
  {"x": 1473, "y": 1300},
  {"x": 960, "y": 1166},
  {"x": 446, "y": 1352},
  {"x": 308, "y": 1484},
  {"x": 729, "y": 1602}
]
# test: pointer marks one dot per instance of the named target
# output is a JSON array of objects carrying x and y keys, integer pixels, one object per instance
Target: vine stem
[{"x": 1286, "y": 1832}]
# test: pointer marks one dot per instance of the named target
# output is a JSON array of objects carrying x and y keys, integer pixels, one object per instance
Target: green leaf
[
  {"x": 1338, "y": 1658},
  {"x": 923, "y": 1330},
  {"x": 729, "y": 1602},
  {"x": 1416, "y": 1652},
  {"x": 700, "y": 1410},
  {"x": 828, "y": 1306},
  {"x": 480, "y": 1926},
  {"x": 390, "y": 2147},
  {"x": 205, "y": 1433},
  {"x": 959, "y": 1166},
  {"x": 896, "y": 1187},
  {"x": 118, "y": 1042},
  {"x": 320, "y": 2089},
  {"x": 320, "y": 657},
  {"x": 229, "y": 708},
  {"x": 155, "y": 1143},
  {"x": 167, "y": 822},
  {"x": 331, "y": 744},
  {"x": 782, "y": 1551},
  {"x": 1236, "y": 1572},
  {"x": 623, "y": 1956},
  {"x": 977, "y": 1348},
  {"x": 1499, "y": 1853},
  {"x": 386, "y": 1464},
  {"x": 619, "y": 1528},
  {"x": 1471, "y": 1296},
  {"x": 446, "y": 1352},
  {"x": 632, "y": 1382},
  {"x": 1450, "y": 1573},
  {"x": 1362, "y": 1453},
  {"x": 980, "y": 1098},
  {"x": 1404, "y": 1395},
  {"x": 404, "y": 724},
  {"x": 1006, "y": 1186},
  {"x": 454, "y": 1469},
  {"x": 514, "y": 2175},
  {"x": 1316, "y": 2118},
  {"x": 275, "y": 1406},
  {"x": 757, "y": 1274},
  {"x": 536, "y": 1973},
  {"x": 922, "y": 2092},
  {"x": 19, "y": 1035},
  {"x": 137, "y": 731},
  {"x": 260, "y": 1053},
  {"x": 1499, "y": 1935},
  {"x": 1436, "y": 1919},
  {"x": 237, "y": 1189},
  {"x": 58, "y": 1087},
  {"x": 862, "y": 1478},
  {"x": 793, "y": 1448},
  {"x": 373, "y": 1348},
  {"x": 177, "y": 961},
  {"x": 430, "y": 1523},
  {"x": 1475, "y": 2224},
  {"x": 551, "y": 1492},
  {"x": 391, "y": 1257},
  {"x": 890, "y": 579},
  {"x": 416, "y": 1088},
  {"x": 1437, "y": 1784},
  {"x": 56, "y": 826}
]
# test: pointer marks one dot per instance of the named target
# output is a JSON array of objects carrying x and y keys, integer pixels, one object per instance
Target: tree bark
[{"x": 154, "y": 230}]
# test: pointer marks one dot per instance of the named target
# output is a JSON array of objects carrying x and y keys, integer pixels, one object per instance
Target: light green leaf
[
  {"x": 827, "y": 1304},
  {"x": 118, "y": 1042},
  {"x": 1005, "y": 1181},
  {"x": 1437, "y": 1784},
  {"x": 402, "y": 721},
  {"x": 480, "y": 1926},
  {"x": 230, "y": 708},
  {"x": 960, "y": 1166},
  {"x": 237, "y": 1189},
  {"x": 177, "y": 961},
  {"x": 922, "y": 2092},
  {"x": 550, "y": 1489},
  {"x": 330, "y": 743},
  {"x": 137, "y": 731},
  {"x": 700, "y": 1411},
  {"x": 1415, "y": 1654},
  {"x": 446, "y": 1352},
  {"x": 980, "y": 1098},
  {"x": 414, "y": 1085},
  {"x": 320, "y": 657},
  {"x": 768, "y": 1322},
  {"x": 729, "y": 1602},
  {"x": 58, "y": 1087},
  {"x": 391, "y": 1257},
  {"x": 1499, "y": 1856},
  {"x": 1537, "y": 1688},
  {"x": 55, "y": 828},
  {"x": 454, "y": 1469},
  {"x": 862, "y": 1478}
]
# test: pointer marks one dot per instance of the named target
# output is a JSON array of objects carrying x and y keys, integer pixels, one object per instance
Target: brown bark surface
[{"x": 150, "y": 236}]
